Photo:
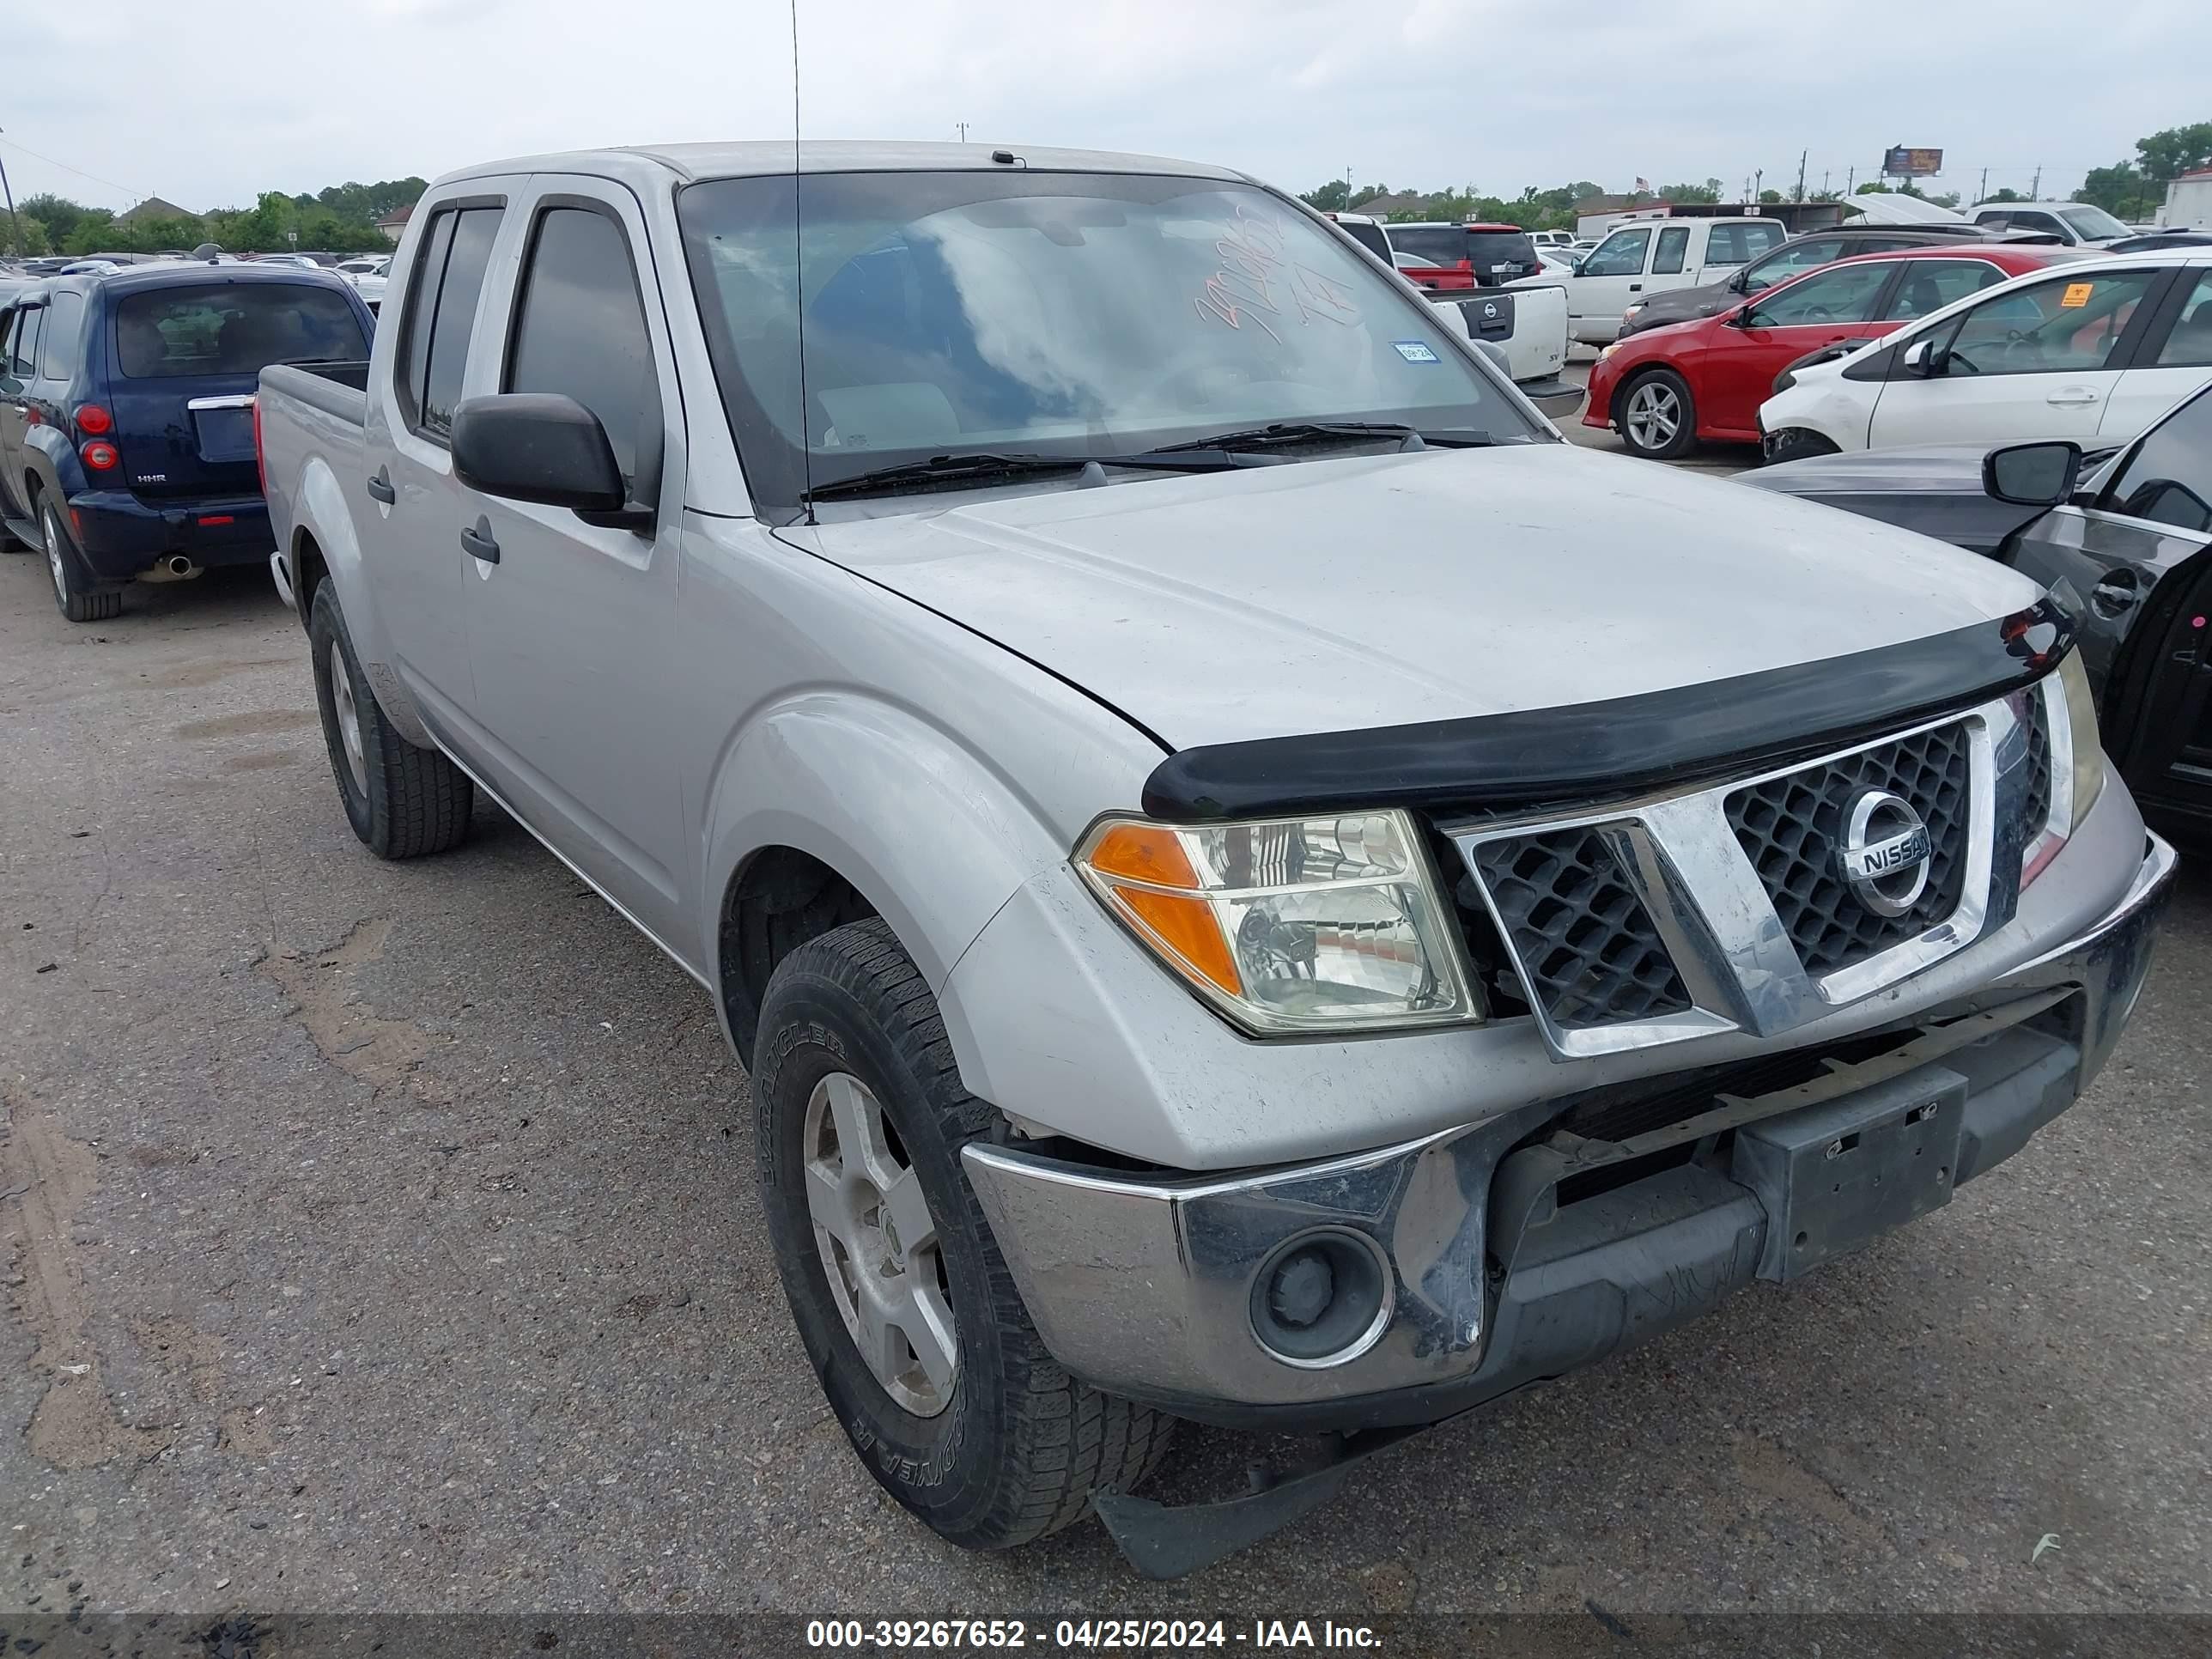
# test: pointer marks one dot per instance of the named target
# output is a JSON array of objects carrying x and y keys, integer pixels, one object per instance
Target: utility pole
[
  {"x": 1983, "y": 195},
  {"x": 1851, "y": 181},
  {"x": 2035, "y": 187},
  {"x": 1823, "y": 182},
  {"x": 1757, "y": 180},
  {"x": 14, "y": 235},
  {"x": 1802, "y": 154},
  {"x": 962, "y": 126}
]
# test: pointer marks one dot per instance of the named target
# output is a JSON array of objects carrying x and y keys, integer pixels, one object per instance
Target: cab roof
[{"x": 646, "y": 164}]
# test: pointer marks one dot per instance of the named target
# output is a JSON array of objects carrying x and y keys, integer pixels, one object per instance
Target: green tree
[
  {"x": 1683, "y": 195},
  {"x": 1331, "y": 197},
  {"x": 57, "y": 214},
  {"x": 2164, "y": 157},
  {"x": 2119, "y": 190},
  {"x": 25, "y": 237},
  {"x": 1770, "y": 197},
  {"x": 93, "y": 231},
  {"x": 2008, "y": 194}
]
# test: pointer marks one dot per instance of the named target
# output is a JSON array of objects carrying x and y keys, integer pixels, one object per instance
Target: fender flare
[
  {"x": 321, "y": 510},
  {"x": 941, "y": 842}
]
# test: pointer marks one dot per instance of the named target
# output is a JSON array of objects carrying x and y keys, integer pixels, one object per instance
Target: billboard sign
[{"x": 1903, "y": 162}]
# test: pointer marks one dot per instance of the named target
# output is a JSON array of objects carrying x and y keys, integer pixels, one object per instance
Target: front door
[
  {"x": 2139, "y": 556},
  {"x": 1608, "y": 278},
  {"x": 2036, "y": 361},
  {"x": 1773, "y": 330},
  {"x": 569, "y": 623}
]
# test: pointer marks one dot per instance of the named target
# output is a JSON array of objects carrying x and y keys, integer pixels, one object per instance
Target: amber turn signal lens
[
  {"x": 1144, "y": 852},
  {"x": 1187, "y": 928}
]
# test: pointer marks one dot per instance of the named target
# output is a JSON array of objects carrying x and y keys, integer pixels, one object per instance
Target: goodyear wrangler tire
[{"x": 907, "y": 1312}]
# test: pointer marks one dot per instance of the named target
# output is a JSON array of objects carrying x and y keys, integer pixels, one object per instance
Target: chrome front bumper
[{"x": 1143, "y": 1286}]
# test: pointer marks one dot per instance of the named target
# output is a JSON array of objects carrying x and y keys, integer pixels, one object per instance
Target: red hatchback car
[{"x": 1666, "y": 388}]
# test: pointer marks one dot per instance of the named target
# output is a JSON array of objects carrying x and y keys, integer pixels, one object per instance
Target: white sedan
[{"x": 2092, "y": 351}]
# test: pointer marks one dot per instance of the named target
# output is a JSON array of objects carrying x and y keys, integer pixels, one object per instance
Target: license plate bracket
[{"x": 1834, "y": 1176}]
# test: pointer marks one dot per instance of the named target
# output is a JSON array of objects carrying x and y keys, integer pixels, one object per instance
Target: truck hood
[{"x": 1341, "y": 594}]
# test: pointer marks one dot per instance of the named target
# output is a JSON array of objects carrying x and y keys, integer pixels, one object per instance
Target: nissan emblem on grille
[{"x": 1884, "y": 854}]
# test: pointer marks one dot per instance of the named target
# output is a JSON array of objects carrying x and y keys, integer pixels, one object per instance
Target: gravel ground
[{"x": 382, "y": 1238}]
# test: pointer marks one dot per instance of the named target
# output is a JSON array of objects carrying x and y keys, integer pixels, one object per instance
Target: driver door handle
[
  {"x": 379, "y": 488},
  {"x": 478, "y": 542},
  {"x": 2072, "y": 397}
]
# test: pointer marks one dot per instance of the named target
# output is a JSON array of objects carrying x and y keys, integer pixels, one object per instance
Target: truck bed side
[{"x": 311, "y": 422}]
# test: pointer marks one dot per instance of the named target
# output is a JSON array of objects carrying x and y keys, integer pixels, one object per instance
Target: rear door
[
  {"x": 568, "y": 629},
  {"x": 15, "y": 365},
  {"x": 2034, "y": 361},
  {"x": 184, "y": 362},
  {"x": 2141, "y": 558},
  {"x": 1731, "y": 244},
  {"x": 408, "y": 508},
  {"x": 1770, "y": 332},
  {"x": 2173, "y": 358}
]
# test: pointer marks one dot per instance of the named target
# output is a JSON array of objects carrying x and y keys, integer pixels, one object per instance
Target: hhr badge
[{"x": 1885, "y": 852}]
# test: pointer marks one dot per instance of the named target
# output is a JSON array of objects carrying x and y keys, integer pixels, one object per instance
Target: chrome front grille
[
  {"x": 1791, "y": 828},
  {"x": 1730, "y": 907},
  {"x": 1591, "y": 952}
]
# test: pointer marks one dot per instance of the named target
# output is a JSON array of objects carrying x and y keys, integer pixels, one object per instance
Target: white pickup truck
[
  {"x": 1652, "y": 255},
  {"x": 1251, "y": 882},
  {"x": 1527, "y": 325}
]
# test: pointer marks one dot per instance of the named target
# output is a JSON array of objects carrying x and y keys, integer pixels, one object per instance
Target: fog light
[{"x": 1322, "y": 1299}]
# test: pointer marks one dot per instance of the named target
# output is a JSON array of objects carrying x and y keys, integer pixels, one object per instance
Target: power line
[{"x": 134, "y": 194}]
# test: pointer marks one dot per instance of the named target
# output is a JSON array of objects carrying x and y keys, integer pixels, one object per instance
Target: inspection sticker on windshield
[
  {"x": 2076, "y": 295},
  {"x": 1416, "y": 351}
]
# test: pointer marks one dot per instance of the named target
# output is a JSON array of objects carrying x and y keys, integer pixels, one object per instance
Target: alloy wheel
[
  {"x": 349, "y": 714},
  {"x": 879, "y": 1246},
  {"x": 1655, "y": 415}
]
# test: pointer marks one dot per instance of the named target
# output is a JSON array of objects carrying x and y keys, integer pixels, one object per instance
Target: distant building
[
  {"x": 2189, "y": 202},
  {"x": 154, "y": 208},
  {"x": 1390, "y": 206},
  {"x": 394, "y": 223}
]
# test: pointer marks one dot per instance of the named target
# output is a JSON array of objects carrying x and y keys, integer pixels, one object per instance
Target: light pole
[{"x": 14, "y": 235}]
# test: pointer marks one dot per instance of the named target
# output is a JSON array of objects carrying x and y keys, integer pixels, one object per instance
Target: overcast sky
[{"x": 207, "y": 102}]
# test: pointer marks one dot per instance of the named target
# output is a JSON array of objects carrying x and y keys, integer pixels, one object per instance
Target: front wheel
[
  {"x": 74, "y": 591},
  {"x": 907, "y": 1312},
  {"x": 402, "y": 801},
  {"x": 1658, "y": 418}
]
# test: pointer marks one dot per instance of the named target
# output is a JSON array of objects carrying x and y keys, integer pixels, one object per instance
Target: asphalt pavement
[{"x": 384, "y": 1238}]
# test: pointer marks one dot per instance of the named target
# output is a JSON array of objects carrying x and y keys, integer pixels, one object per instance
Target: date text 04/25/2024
[{"x": 1085, "y": 1635}]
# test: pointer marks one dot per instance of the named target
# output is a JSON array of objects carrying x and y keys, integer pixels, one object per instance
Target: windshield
[
  {"x": 1060, "y": 314},
  {"x": 2093, "y": 221}
]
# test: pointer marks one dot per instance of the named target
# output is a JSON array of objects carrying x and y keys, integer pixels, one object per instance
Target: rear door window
[
  {"x": 23, "y": 345},
  {"x": 2190, "y": 344},
  {"x": 233, "y": 328},
  {"x": 1738, "y": 243},
  {"x": 442, "y": 315},
  {"x": 1931, "y": 284},
  {"x": 1674, "y": 245},
  {"x": 57, "y": 344}
]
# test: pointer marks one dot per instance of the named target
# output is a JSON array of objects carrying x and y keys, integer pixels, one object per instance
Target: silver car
[{"x": 1253, "y": 882}]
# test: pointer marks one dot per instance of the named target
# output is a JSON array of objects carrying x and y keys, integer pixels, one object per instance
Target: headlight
[
  {"x": 2081, "y": 728},
  {"x": 1290, "y": 924},
  {"x": 1632, "y": 311},
  {"x": 1606, "y": 351}
]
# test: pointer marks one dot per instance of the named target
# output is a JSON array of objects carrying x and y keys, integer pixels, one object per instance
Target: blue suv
[{"x": 126, "y": 415}]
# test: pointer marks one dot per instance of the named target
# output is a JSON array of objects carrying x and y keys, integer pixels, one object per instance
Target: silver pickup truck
[{"x": 1253, "y": 883}]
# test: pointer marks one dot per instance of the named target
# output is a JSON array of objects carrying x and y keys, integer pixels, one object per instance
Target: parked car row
[
  {"x": 1179, "y": 976},
  {"x": 127, "y": 413}
]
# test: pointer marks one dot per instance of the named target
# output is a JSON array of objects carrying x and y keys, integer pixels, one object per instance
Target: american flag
[{"x": 1643, "y": 186}]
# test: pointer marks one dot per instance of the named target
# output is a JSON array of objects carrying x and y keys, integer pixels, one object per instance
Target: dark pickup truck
[{"x": 127, "y": 412}]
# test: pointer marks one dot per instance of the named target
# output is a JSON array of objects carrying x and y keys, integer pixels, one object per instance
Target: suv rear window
[
  {"x": 1486, "y": 251},
  {"x": 234, "y": 328}
]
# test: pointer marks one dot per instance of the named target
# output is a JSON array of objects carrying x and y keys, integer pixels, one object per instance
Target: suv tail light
[
  {"x": 95, "y": 422},
  {"x": 100, "y": 455}
]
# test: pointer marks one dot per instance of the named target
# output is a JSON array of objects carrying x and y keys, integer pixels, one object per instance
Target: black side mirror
[
  {"x": 1747, "y": 318},
  {"x": 2032, "y": 475},
  {"x": 541, "y": 446}
]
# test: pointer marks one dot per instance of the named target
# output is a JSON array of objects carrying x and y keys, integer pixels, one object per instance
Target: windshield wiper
[
  {"x": 983, "y": 466},
  {"x": 1282, "y": 433}
]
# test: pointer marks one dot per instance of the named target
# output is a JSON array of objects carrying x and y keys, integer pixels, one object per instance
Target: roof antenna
[{"x": 799, "y": 280}]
